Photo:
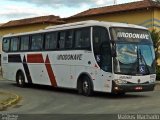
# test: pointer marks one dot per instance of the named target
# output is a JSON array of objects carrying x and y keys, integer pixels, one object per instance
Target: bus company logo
[
  {"x": 132, "y": 35},
  {"x": 70, "y": 57}
]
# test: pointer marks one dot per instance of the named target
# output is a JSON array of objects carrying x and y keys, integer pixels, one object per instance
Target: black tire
[
  {"x": 20, "y": 79},
  {"x": 79, "y": 86},
  {"x": 86, "y": 88}
]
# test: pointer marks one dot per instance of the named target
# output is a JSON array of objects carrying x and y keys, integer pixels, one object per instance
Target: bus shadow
[
  {"x": 74, "y": 92},
  {"x": 117, "y": 96}
]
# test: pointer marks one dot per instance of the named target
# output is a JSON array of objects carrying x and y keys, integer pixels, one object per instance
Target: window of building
[
  {"x": 50, "y": 41},
  {"x": 69, "y": 39},
  {"x": 24, "y": 43},
  {"x": 36, "y": 42},
  {"x": 15, "y": 44},
  {"x": 82, "y": 38},
  {"x": 6, "y": 43}
]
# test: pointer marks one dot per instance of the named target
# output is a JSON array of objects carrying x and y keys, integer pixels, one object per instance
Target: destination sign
[{"x": 132, "y": 35}]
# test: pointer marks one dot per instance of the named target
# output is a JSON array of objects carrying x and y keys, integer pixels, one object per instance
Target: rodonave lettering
[
  {"x": 70, "y": 57},
  {"x": 133, "y": 35}
]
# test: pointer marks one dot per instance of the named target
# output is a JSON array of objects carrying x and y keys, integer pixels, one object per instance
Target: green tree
[{"x": 156, "y": 41}]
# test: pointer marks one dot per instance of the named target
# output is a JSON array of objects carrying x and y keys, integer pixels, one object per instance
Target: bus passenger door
[
  {"x": 102, "y": 53},
  {"x": 106, "y": 66}
]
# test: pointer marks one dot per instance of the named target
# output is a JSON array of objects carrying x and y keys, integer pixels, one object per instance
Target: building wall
[
  {"x": 157, "y": 19},
  {"x": 139, "y": 17},
  {"x": 26, "y": 28}
]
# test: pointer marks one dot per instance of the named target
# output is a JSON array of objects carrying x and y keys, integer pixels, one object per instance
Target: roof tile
[{"x": 27, "y": 21}]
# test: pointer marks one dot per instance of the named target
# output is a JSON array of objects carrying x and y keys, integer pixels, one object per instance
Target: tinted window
[
  {"x": 61, "y": 41},
  {"x": 6, "y": 42},
  {"x": 50, "y": 41},
  {"x": 82, "y": 38},
  {"x": 69, "y": 39},
  {"x": 24, "y": 43},
  {"x": 101, "y": 47},
  {"x": 14, "y": 44},
  {"x": 100, "y": 35},
  {"x": 37, "y": 42}
]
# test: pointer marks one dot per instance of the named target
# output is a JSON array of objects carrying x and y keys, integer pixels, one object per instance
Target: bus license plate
[{"x": 138, "y": 88}]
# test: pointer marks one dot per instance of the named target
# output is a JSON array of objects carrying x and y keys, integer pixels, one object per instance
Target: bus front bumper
[{"x": 122, "y": 88}]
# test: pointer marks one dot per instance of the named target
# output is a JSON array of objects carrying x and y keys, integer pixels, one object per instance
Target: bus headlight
[{"x": 120, "y": 81}]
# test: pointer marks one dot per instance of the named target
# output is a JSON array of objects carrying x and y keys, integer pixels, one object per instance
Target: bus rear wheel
[
  {"x": 20, "y": 79},
  {"x": 85, "y": 87}
]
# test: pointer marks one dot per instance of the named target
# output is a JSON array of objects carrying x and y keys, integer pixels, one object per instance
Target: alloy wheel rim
[
  {"x": 20, "y": 80},
  {"x": 85, "y": 86}
]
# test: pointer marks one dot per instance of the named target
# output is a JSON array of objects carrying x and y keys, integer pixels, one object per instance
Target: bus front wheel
[
  {"x": 85, "y": 86},
  {"x": 20, "y": 79}
]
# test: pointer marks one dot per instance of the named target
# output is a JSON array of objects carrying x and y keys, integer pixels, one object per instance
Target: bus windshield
[{"x": 134, "y": 51}]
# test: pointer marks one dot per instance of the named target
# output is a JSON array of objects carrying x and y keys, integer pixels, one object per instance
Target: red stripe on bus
[
  {"x": 35, "y": 58},
  {"x": 50, "y": 72}
]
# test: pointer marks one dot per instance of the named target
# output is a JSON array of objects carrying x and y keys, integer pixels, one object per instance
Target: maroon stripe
[
  {"x": 35, "y": 58},
  {"x": 50, "y": 72},
  {"x": 26, "y": 69}
]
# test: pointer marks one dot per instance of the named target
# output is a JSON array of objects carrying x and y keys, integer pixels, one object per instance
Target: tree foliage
[{"x": 156, "y": 41}]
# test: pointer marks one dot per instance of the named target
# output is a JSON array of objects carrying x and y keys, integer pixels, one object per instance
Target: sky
[{"x": 20, "y": 9}]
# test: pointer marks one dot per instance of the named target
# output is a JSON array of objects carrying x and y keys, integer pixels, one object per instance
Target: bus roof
[{"x": 77, "y": 25}]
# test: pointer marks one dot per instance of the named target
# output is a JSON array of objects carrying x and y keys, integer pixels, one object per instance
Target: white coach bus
[{"x": 87, "y": 56}]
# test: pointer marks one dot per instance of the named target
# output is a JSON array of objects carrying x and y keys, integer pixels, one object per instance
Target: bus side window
[
  {"x": 24, "y": 43},
  {"x": 6, "y": 43},
  {"x": 37, "y": 42},
  {"x": 69, "y": 39},
  {"x": 61, "y": 40},
  {"x": 82, "y": 38},
  {"x": 15, "y": 44},
  {"x": 50, "y": 41}
]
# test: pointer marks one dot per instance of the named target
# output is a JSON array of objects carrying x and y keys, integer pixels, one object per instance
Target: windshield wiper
[{"x": 143, "y": 62}]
